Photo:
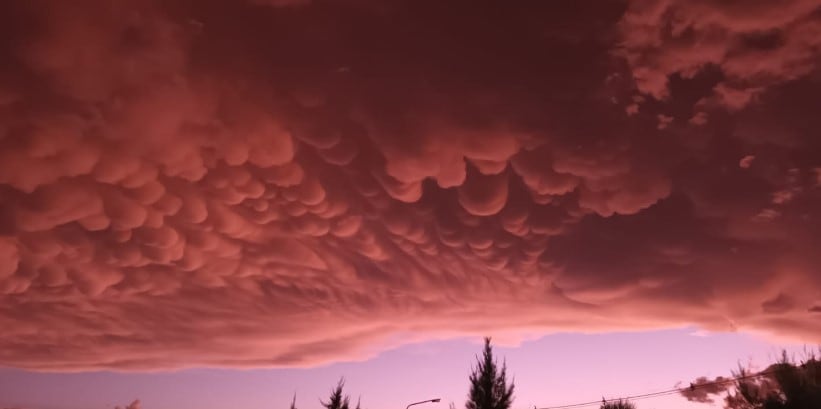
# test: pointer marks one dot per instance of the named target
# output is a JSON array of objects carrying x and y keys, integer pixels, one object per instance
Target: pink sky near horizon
[{"x": 553, "y": 370}]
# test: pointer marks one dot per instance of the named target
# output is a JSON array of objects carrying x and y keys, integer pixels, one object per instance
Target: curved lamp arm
[{"x": 421, "y": 402}]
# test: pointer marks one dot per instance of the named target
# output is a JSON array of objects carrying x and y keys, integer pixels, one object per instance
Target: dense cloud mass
[{"x": 291, "y": 182}]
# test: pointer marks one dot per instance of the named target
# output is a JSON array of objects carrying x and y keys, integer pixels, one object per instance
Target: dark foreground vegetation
[{"x": 787, "y": 384}]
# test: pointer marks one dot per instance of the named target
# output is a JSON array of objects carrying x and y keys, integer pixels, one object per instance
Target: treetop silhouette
[{"x": 488, "y": 383}]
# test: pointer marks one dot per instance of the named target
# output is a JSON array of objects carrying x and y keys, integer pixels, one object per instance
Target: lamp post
[{"x": 421, "y": 402}]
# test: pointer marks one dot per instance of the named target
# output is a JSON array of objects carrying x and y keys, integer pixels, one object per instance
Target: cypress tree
[{"x": 488, "y": 384}]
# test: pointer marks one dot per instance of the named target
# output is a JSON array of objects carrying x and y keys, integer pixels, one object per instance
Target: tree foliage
[
  {"x": 784, "y": 385},
  {"x": 337, "y": 400},
  {"x": 618, "y": 404},
  {"x": 488, "y": 384}
]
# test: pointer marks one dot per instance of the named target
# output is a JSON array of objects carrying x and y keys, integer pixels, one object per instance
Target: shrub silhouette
[
  {"x": 619, "y": 404},
  {"x": 784, "y": 385}
]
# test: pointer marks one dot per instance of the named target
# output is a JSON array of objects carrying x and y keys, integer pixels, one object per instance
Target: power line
[{"x": 661, "y": 393}]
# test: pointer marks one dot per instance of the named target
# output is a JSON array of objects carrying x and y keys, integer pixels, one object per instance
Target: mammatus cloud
[
  {"x": 746, "y": 47},
  {"x": 196, "y": 183}
]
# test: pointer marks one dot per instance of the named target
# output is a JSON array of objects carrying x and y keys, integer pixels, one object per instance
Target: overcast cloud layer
[{"x": 285, "y": 182}]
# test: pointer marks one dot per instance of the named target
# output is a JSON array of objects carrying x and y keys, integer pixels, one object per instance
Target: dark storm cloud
[{"x": 292, "y": 182}]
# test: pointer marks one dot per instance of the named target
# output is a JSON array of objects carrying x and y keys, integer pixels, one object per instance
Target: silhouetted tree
[
  {"x": 488, "y": 385},
  {"x": 293, "y": 402},
  {"x": 618, "y": 404},
  {"x": 337, "y": 400},
  {"x": 784, "y": 385}
]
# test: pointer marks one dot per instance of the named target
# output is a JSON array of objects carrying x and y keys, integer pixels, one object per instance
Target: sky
[
  {"x": 266, "y": 185},
  {"x": 556, "y": 369}
]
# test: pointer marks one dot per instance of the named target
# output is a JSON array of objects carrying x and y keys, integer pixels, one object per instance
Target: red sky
[{"x": 276, "y": 183}]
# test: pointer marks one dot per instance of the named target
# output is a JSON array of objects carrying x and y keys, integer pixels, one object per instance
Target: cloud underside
[{"x": 288, "y": 183}]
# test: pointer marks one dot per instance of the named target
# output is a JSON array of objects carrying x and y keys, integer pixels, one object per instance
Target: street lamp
[{"x": 421, "y": 402}]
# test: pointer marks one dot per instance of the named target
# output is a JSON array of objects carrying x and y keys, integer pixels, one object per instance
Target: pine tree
[
  {"x": 337, "y": 400},
  {"x": 488, "y": 385}
]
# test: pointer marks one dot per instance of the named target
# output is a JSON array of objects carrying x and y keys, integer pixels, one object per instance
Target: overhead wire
[{"x": 661, "y": 393}]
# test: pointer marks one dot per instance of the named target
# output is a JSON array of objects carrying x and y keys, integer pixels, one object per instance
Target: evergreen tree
[
  {"x": 488, "y": 385},
  {"x": 337, "y": 400},
  {"x": 293, "y": 402}
]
